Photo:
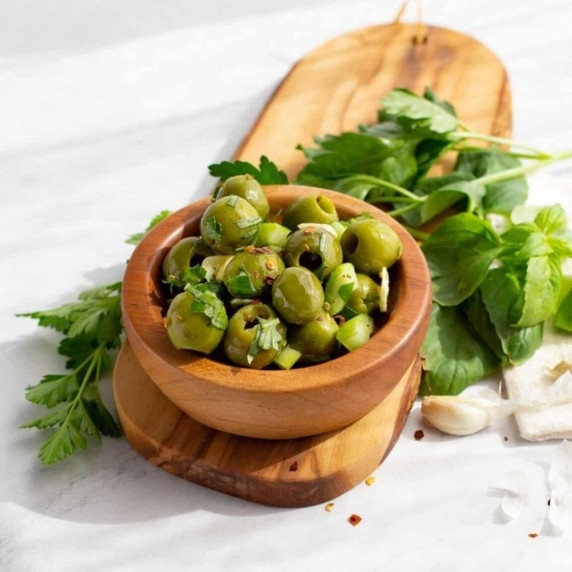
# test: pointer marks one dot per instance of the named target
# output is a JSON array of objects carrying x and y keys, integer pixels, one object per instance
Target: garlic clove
[
  {"x": 455, "y": 415},
  {"x": 384, "y": 290}
]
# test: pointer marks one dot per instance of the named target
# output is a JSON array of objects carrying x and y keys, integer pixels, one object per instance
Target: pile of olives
[{"x": 277, "y": 294}]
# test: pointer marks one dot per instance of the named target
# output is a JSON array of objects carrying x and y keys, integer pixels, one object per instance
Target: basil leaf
[
  {"x": 541, "y": 290},
  {"x": 419, "y": 114},
  {"x": 459, "y": 254},
  {"x": 563, "y": 318},
  {"x": 551, "y": 220},
  {"x": 476, "y": 312},
  {"x": 500, "y": 197},
  {"x": 455, "y": 355},
  {"x": 266, "y": 174},
  {"x": 503, "y": 296}
]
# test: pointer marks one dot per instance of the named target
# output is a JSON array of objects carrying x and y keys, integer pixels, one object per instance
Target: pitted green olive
[
  {"x": 297, "y": 295},
  {"x": 186, "y": 253},
  {"x": 314, "y": 249},
  {"x": 247, "y": 188},
  {"x": 365, "y": 298},
  {"x": 191, "y": 331},
  {"x": 229, "y": 224},
  {"x": 316, "y": 340},
  {"x": 251, "y": 273},
  {"x": 370, "y": 245},
  {"x": 254, "y": 336},
  {"x": 310, "y": 208}
]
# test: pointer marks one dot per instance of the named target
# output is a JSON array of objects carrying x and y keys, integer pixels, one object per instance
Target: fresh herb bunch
[
  {"x": 92, "y": 330},
  {"x": 492, "y": 292}
]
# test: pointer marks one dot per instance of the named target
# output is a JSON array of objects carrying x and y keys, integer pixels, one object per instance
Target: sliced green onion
[
  {"x": 272, "y": 234},
  {"x": 342, "y": 282},
  {"x": 356, "y": 332},
  {"x": 340, "y": 227},
  {"x": 287, "y": 358}
]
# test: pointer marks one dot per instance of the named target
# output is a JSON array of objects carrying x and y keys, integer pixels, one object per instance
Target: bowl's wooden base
[{"x": 288, "y": 473}]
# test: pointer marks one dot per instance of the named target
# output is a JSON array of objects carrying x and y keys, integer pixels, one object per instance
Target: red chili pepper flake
[
  {"x": 256, "y": 274},
  {"x": 269, "y": 280},
  {"x": 340, "y": 320},
  {"x": 320, "y": 319},
  {"x": 418, "y": 435},
  {"x": 309, "y": 230},
  {"x": 255, "y": 301},
  {"x": 354, "y": 519},
  {"x": 532, "y": 534},
  {"x": 294, "y": 466},
  {"x": 270, "y": 264},
  {"x": 250, "y": 249}
]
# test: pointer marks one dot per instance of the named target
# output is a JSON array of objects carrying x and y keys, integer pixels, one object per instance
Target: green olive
[
  {"x": 247, "y": 188},
  {"x": 316, "y": 340},
  {"x": 370, "y": 245},
  {"x": 297, "y": 295},
  {"x": 314, "y": 249},
  {"x": 191, "y": 331},
  {"x": 365, "y": 298},
  {"x": 247, "y": 333},
  {"x": 251, "y": 273},
  {"x": 310, "y": 208},
  {"x": 187, "y": 252},
  {"x": 229, "y": 224}
]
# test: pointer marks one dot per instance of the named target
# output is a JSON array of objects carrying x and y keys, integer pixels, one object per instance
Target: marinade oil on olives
[{"x": 264, "y": 294}]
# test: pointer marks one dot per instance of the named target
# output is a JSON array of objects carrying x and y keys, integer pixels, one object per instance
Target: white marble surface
[{"x": 110, "y": 111}]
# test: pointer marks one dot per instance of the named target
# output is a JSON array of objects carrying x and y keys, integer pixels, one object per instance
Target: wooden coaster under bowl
[{"x": 285, "y": 473}]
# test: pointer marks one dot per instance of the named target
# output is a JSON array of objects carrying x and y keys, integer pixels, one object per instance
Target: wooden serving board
[{"x": 334, "y": 88}]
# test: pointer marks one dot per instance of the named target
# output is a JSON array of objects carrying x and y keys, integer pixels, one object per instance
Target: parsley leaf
[
  {"x": 266, "y": 174},
  {"x": 193, "y": 275},
  {"x": 241, "y": 285},
  {"x": 422, "y": 115},
  {"x": 212, "y": 228},
  {"x": 268, "y": 337},
  {"x": 499, "y": 197},
  {"x": 207, "y": 303}
]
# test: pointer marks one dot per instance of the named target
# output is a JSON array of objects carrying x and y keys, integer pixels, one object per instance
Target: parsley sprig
[{"x": 92, "y": 331}]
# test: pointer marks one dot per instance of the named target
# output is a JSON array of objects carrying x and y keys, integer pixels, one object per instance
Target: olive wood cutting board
[{"x": 334, "y": 88}]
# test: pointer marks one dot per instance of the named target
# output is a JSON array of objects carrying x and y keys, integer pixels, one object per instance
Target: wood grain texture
[
  {"x": 338, "y": 85},
  {"x": 254, "y": 469},
  {"x": 334, "y": 88},
  {"x": 275, "y": 404}
]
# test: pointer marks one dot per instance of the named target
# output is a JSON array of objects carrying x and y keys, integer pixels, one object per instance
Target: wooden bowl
[{"x": 275, "y": 404}]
